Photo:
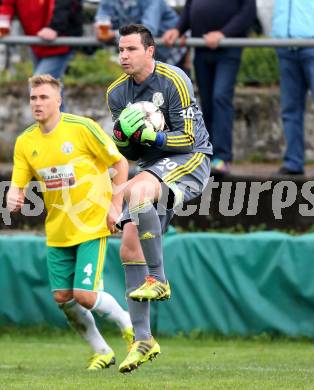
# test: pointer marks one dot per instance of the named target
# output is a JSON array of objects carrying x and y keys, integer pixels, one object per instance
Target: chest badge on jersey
[
  {"x": 67, "y": 147},
  {"x": 34, "y": 153},
  {"x": 158, "y": 99}
]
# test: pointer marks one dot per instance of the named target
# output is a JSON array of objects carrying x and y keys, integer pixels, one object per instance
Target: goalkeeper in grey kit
[{"x": 175, "y": 168}]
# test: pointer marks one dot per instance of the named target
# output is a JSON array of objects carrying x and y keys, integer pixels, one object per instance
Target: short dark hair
[{"x": 146, "y": 36}]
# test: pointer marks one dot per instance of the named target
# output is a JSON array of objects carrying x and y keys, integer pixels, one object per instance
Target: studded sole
[
  {"x": 132, "y": 367},
  {"x": 163, "y": 298}
]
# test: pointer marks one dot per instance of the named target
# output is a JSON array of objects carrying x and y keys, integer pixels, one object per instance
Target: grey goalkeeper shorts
[{"x": 183, "y": 178}]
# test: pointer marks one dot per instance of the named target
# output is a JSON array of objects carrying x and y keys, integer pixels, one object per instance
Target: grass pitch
[{"x": 56, "y": 360}]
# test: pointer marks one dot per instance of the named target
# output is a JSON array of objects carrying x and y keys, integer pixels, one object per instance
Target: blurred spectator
[
  {"x": 216, "y": 68},
  {"x": 264, "y": 14},
  {"x": 294, "y": 19},
  {"x": 156, "y": 15},
  {"x": 47, "y": 19}
]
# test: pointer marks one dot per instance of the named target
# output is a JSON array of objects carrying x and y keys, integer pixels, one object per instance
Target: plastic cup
[
  {"x": 4, "y": 25},
  {"x": 104, "y": 26}
]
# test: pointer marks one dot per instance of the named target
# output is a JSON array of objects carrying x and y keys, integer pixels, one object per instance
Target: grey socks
[
  {"x": 149, "y": 230},
  {"x": 139, "y": 311}
]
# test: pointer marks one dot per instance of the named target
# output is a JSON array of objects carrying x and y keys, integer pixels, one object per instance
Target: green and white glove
[
  {"x": 131, "y": 119},
  {"x": 119, "y": 143},
  {"x": 119, "y": 138},
  {"x": 145, "y": 135}
]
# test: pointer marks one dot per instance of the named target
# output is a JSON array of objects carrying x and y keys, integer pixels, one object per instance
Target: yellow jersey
[{"x": 71, "y": 162}]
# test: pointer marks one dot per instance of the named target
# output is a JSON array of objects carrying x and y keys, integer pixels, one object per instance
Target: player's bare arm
[
  {"x": 15, "y": 199},
  {"x": 120, "y": 177}
]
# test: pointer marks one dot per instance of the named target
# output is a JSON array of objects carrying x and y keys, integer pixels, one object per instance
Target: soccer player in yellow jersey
[{"x": 70, "y": 156}]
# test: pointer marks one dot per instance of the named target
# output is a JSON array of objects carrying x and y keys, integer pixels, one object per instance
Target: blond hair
[{"x": 38, "y": 80}]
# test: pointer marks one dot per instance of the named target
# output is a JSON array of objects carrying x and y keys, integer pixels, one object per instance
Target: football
[
  {"x": 153, "y": 115},
  {"x": 154, "y": 118}
]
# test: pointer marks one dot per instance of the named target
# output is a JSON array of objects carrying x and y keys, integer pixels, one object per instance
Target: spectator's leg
[
  {"x": 292, "y": 96},
  {"x": 54, "y": 65},
  {"x": 227, "y": 66},
  {"x": 205, "y": 73},
  {"x": 185, "y": 62},
  {"x": 307, "y": 60},
  {"x": 34, "y": 59}
]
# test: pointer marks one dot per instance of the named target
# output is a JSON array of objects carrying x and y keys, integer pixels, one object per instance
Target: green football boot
[
  {"x": 99, "y": 361},
  {"x": 141, "y": 352},
  {"x": 151, "y": 290},
  {"x": 128, "y": 336}
]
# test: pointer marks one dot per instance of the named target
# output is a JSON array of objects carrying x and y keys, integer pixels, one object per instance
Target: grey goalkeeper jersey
[{"x": 171, "y": 90}]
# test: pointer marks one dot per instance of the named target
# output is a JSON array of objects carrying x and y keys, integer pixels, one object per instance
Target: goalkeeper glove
[
  {"x": 131, "y": 119},
  {"x": 148, "y": 136},
  {"x": 145, "y": 135},
  {"x": 119, "y": 138}
]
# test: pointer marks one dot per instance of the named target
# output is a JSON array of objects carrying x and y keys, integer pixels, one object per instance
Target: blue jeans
[
  {"x": 296, "y": 78},
  {"x": 53, "y": 65},
  {"x": 216, "y": 72}
]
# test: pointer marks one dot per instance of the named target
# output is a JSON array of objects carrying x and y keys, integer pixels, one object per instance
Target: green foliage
[
  {"x": 90, "y": 70},
  {"x": 258, "y": 66},
  {"x": 18, "y": 73},
  {"x": 98, "y": 68}
]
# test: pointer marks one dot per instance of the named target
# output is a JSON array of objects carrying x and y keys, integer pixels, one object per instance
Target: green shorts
[{"x": 77, "y": 267}]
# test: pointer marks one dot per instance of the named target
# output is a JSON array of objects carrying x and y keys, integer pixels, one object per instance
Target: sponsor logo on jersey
[
  {"x": 158, "y": 99},
  {"x": 67, "y": 147},
  {"x": 58, "y": 177}
]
